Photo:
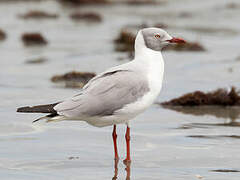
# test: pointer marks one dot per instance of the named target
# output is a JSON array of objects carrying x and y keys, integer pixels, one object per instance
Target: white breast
[{"x": 154, "y": 68}]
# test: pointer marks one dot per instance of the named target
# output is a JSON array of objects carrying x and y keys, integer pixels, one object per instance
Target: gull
[{"x": 120, "y": 93}]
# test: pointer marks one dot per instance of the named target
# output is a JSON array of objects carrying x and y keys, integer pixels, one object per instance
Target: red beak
[{"x": 176, "y": 40}]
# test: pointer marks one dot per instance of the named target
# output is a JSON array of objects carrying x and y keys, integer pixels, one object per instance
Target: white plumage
[
  {"x": 120, "y": 93},
  {"x": 115, "y": 87}
]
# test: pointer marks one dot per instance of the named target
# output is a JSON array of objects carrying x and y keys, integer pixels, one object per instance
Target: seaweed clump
[
  {"x": 36, "y": 14},
  {"x": 125, "y": 41},
  {"x": 32, "y": 39},
  {"x": 38, "y": 60},
  {"x": 83, "y": 2},
  {"x": 73, "y": 79},
  {"x": 2, "y": 35},
  {"x": 219, "y": 97},
  {"x": 90, "y": 16},
  {"x": 188, "y": 46}
]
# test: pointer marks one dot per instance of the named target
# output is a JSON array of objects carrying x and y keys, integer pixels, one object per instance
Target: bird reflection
[
  {"x": 232, "y": 113},
  {"x": 127, "y": 169},
  {"x": 115, "y": 169}
]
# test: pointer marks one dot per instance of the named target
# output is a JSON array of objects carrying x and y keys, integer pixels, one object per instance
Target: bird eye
[{"x": 157, "y": 36}]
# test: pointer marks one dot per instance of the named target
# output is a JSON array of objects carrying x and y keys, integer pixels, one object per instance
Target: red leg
[
  {"x": 114, "y": 135},
  {"x": 127, "y": 137}
]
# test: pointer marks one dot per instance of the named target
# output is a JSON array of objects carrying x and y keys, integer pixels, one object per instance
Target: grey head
[{"x": 156, "y": 38}]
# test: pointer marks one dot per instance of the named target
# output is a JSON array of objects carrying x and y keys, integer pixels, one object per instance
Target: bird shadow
[{"x": 127, "y": 169}]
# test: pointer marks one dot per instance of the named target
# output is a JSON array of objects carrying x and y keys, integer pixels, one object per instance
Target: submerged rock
[
  {"x": 219, "y": 97},
  {"x": 39, "y": 60},
  {"x": 238, "y": 58},
  {"x": 232, "y": 5},
  {"x": 73, "y": 79},
  {"x": 32, "y": 39},
  {"x": 214, "y": 137},
  {"x": 185, "y": 15},
  {"x": 36, "y": 14},
  {"x": 225, "y": 170},
  {"x": 72, "y": 158},
  {"x": 141, "y": 2},
  {"x": 89, "y": 16},
  {"x": 161, "y": 25},
  {"x": 129, "y": 2},
  {"x": 3, "y": 35}
]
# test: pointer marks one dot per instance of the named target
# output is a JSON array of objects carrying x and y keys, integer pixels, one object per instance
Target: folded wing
[{"x": 105, "y": 94}]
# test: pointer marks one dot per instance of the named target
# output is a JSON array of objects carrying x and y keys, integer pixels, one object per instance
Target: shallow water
[{"x": 165, "y": 144}]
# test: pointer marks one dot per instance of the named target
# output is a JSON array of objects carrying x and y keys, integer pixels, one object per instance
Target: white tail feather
[{"x": 51, "y": 119}]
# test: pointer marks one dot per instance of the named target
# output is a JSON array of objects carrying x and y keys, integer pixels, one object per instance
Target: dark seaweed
[
  {"x": 83, "y": 2},
  {"x": 2, "y": 35},
  {"x": 74, "y": 79},
  {"x": 90, "y": 16},
  {"x": 220, "y": 97},
  {"x": 35, "y": 14},
  {"x": 32, "y": 39}
]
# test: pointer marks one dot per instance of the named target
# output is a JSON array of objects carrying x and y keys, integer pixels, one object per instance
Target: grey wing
[{"x": 105, "y": 94}]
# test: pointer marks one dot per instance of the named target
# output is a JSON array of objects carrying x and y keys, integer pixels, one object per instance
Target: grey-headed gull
[{"x": 120, "y": 93}]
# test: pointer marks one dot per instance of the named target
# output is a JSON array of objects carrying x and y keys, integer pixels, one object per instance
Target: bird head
[{"x": 156, "y": 38}]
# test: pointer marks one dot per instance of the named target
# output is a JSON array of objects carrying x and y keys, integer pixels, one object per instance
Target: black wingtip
[
  {"x": 47, "y": 108},
  {"x": 36, "y": 120},
  {"x": 23, "y": 109}
]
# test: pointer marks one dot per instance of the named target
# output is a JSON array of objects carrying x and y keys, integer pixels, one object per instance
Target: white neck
[
  {"x": 149, "y": 60},
  {"x": 144, "y": 53},
  {"x": 151, "y": 64}
]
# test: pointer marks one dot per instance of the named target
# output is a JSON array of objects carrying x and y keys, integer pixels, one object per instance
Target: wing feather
[{"x": 105, "y": 94}]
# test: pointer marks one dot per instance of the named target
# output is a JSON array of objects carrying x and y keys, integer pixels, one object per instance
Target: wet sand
[{"x": 165, "y": 144}]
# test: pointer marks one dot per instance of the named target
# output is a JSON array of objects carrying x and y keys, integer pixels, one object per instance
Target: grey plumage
[
  {"x": 153, "y": 42},
  {"x": 105, "y": 94}
]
